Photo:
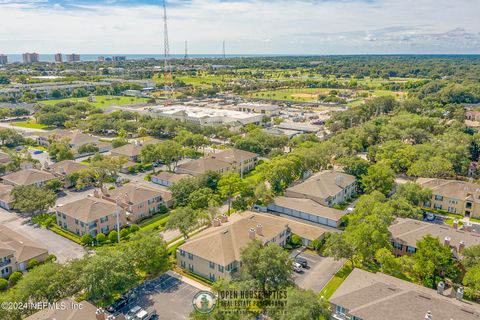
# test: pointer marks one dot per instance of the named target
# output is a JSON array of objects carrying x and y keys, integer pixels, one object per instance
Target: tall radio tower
[
  {"x": 186, "y": 51},
  {"x": 168, "y": 86},
  {"x": 223, "y": 49}
]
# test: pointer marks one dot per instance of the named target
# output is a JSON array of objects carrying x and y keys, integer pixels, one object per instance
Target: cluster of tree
[
  {"x": 64, "y": 114},
  {"x": 97, "y": 277},
  {"x": 267, "y": 268},
  {"x": 260, "y": 142}
]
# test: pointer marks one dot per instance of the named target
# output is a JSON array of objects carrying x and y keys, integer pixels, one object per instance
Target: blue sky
[{"x": 247, "y": 26}]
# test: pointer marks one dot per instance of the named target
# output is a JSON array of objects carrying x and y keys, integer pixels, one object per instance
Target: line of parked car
[
  {"x": 299, "y": 264},
  {"x": 135, "y": 313}
]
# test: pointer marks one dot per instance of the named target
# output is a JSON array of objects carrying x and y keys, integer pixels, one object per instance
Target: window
[
  {"x": 411, "y": 249},
  {"x": 212, "y": 277},
  {"x": 468, "y": 205},
  {"x": 356, "y": 318},
  {"x": 437, "y": 206},
  {"x": 220, "y": 268},
  {"x": 105, "y": 229},
  {"x": 64, "y": 216},
  {"x": 397, "y": 245},
  {"x": 438, "y": 197},
  {"x": 341, "y": 310},
  {"x": 452, "y": 209},
  {"x": 103, "y": 219},
  {"x": 190, "y": 256},
  {"x": 76, "y": 221},
  {"x": 190, "y": 268},
  {"x": 182, "y": 253},
  {"x": 211, "y": 264},
  {"x": 182, "y": 264},
  {"x": 140, "y": 206},
  {"x": 82, "y": 224}
]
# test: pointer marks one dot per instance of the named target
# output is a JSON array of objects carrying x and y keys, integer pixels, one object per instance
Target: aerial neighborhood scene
[{"x": 241, "y": 159}]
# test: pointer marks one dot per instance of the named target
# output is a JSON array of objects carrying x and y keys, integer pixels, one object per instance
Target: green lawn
[
  {"x": 154, "y": 223},
  {"x": 474, "y": 219},
  {"x": 101, "y": 101},
  {"x": 336, "y": 281},
  {"x": 31, "y": 124}
]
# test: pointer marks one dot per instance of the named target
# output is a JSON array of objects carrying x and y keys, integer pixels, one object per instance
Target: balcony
[{"x": 4, "y": 263}]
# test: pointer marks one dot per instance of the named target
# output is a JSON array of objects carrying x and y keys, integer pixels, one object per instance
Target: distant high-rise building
[
  {"x": 101, "y": 59},
  {"x": 73, "y": 57},
  {"x": 119, "y": 58},
  {"x": 30, "y": 57},
  {"x": 58, "y": 58},
  {"x": 3, "y": 59}
]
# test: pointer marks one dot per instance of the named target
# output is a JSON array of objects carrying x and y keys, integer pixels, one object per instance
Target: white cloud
[{"x": 249, "y": 27}]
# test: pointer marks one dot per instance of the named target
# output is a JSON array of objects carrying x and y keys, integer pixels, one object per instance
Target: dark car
[
  {"x": 302, "y": 261},
  {"x": 117, "y": 304}
]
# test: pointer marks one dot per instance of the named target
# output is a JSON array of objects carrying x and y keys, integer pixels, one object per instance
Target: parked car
[
  {"x": 117, "y": 304},
  {"x": 130, "y": 315},
  {"x": 37, "y": 151},
  {"x": 146, "y": 314},
  {"x": 302, "y": 261},
  {"x": 430, "y": 216},
  {"x": 297, "y": 267}
]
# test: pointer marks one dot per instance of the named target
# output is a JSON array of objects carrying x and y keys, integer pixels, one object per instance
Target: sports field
[{"x": 101, "y": 101}]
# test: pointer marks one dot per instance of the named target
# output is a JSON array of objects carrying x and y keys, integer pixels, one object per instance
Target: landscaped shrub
[
  {"x": 134, "y": 228},
  {"x": 3, "y": 284},
  {"x": 296, "y": 240},
  {"x": 14, "y": 277},
  {"x": 51, "y": 258},
  {"x": 113, "y": 236},
  {"x": 86, "y": 239},
  {"x": 32, "y": 263},
  {"x": 124, "y": 232},
  {"x": 101, "y": 238}
]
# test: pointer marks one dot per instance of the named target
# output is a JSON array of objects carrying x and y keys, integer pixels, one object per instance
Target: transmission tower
[
  {"x": 186, "y": 51},
  {"x": 223, "y": 49},
  {"x": 168, "y": 86}
]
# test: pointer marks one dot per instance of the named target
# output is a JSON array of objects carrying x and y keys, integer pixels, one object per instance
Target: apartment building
[
  {"x": 215, "y": 252},
  {"x": 16, "y": 251},
  {"x": 404, "y": 234},
  {"x": 28, "y": 177},
  {"x": 167, "y": 179},
  {"x": 75, "y": 138},
  {"x": 6, "y": 198},
  {"x": 73, "y": 57},
  {"x": 64, "y": 168},
  {"x": 90, "y": 215},
  {"x": 229, "y": 160},
  {"x": 453, "y": 196},
  {"x": 326, "y": 188},
  {"x": 3, "y": 59},
  {"x": 377, "y": 296},
  {"x": 58, "y": 58},
  {"x": 137, "y": 200},
  {"x": 30, "y": 57}
]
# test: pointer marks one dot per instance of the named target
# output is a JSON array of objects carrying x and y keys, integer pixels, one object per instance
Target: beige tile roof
[
  {"x": 223, "y": 245},
  {"x": 24, "y": 248},
  {"x": 203, "y": 165},
  {"x": 409, "y": 231},
  {"x": 128, "y": 150},
  {"x": 324, "y": 184},
  {"x": 460, "y": 190},
  {"x": 88, "y": 209},
  {"x": 376, "y": 296},
  {"x": 28, "y": 176},
  {"x": 233, "y": 155},
  {"x": 4, "y": 157},
  {"x": 75, "y": 137},
  {"x": 5, "y": 193},
  {"x": 67, "y": 167},
  {"x": 136, "y": 193},
  {"x": 170, "y": 176},
  {"x": 309, "y": 206},
  {"x": 85, "y": 312}
]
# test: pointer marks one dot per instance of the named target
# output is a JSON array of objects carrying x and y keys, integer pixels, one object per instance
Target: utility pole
[
  {"x": 223, "y": 49},
  {"x": 117, "y": 202},
  {"x": 186, "y": 51},
  {"x": 167, "y": 67}
]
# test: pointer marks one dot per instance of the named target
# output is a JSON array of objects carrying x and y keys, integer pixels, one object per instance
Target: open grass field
[
  {"x": 101, "y": 101},
  {"x": 31, "y": 124},
  {"x": 311, "y": 94}
]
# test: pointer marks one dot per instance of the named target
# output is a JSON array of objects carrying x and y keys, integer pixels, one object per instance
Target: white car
[
  {"x": 132, "y": 313},
  {"x": 145, "y": 315},
  {"x": 297, "y": 267}
]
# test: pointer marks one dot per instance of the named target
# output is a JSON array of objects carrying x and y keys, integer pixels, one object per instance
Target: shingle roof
[
  {"x": 376, "y": 296},
  {"x": 24, "y": 248},
  {"x": 76, "y": 138},
  {"x": 309, "y": 206},
  {"x": 66, "y": 167},
  {"x": 409, "y": 231},
  {"x": 128, "y": 150},
  {"x": 324, "y": 184},
  {"x": 170, "y": 176},
  {"x": 85, "y": 312},
  {"x": 4, "y": 157},
  {"x": 88, "y": 209},
  {"x": 136, "y": 193},
  {"x": 452, "y": 188},
  {"x": 223, "y": 244},
  {"x": 233, "y": 155},
  {"x": 5, "y": 193},
  {"x": 200, "y": 166},
  {"x": 28, "y": 176}
]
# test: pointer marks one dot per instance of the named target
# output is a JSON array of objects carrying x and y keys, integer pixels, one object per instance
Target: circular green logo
[{"x": 204, "y": 301}]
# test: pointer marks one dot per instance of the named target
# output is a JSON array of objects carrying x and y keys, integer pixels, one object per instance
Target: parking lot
[
  {"x": 319, "y": 271},
  {"x": 169, "y": 296}
]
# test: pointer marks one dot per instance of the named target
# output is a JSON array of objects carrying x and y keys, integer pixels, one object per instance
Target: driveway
[
  {"x": 61, "y": 247},
  {"x": 319, "y": 271},
  {"x": 170, "y": 297}
]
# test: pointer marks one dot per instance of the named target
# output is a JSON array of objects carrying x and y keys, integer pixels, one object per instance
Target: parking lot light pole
[{"x": 117, "y": 201}]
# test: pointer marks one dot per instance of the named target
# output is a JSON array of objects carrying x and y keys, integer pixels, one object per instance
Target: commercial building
[
  {"x": 404, "y": 234},
  {"x": 16, "y": 252},
  {"x": 327, "y": 188},
  {"x": 30, "y": 57},
  {"x": 28, "y": 177},
  {"x": 215, "y": 252},
  {"x": 90, "y": 215},
  {"x": 229, "y": 160},
  {"x": 137, "y": 200},
  {"x": 453, "y": 196},
  {"x": 119, "y": 58},
  {"x": 206, "y": 116},
  {"x": 73, "y": 57},
  {"x": 3, "y": 59},
  {"x": 266, "y": 109},
  {"x": 377, "y": 296},
  {"x": 58, "y": 58}
]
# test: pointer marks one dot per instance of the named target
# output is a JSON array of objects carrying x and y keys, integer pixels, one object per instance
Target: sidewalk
[{"x": 189, "y": 281}]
